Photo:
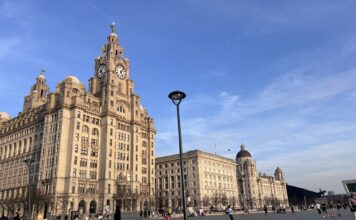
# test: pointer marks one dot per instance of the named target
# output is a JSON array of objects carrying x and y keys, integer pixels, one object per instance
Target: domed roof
[
  {"x": 113, "y": 34},
  {"x": 4, "y": 115},
  {"x": 72, "y": 79},
  {"x": 279, "y": 170},
  {"x": 243, "y": 152}
]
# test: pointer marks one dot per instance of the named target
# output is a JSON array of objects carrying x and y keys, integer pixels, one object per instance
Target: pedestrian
[
  {"x": 292, "y": 209},
  {"x": 17, "y": 216},
  {"x": 352, "y": 203},
  {"x": 284, "y": 208},
  {"x": 117, "y": 215},
  {"x": 331, "y": 207},
  {"x": 265, "y": 209},
  {"x": 338, "y": 207},
  {"x": 3, "y": 217},
  {"x": 323, "y": 210},
  {"x": 317, "y": 206},
  {"x": 229, "y": 212},
  {"x": 145, "y": 213},
  {"x": 141, "y": 213},
  {"x": 273, "y": 208},
  {"x": 169, "y": 212}
]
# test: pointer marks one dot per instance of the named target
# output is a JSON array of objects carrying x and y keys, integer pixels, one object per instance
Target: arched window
[
  {"x": 144, "y": 144},
  {"x": 92, "y": 207},
  {"x": 75, "y": 91},
  {"x": 81, "y": 206}
]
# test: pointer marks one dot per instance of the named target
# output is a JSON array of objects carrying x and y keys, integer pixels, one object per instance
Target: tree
[
  {"x": 216, "y": 199},
  {"x": 267, "y": 200},
  {"x": 224, "y": 200},
  {"x": 233, "y": 201},
  {"x": 206, "y": 201}
]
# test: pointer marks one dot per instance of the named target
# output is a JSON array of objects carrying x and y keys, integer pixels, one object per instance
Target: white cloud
[
  {"x": 228, "y": 101},
  {"x": 291, "y": 123}
]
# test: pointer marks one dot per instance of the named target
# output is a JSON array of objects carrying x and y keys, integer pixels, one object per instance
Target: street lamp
[
  {"x": 177, "y": 97},
  {"x": 29, "y": 162}
]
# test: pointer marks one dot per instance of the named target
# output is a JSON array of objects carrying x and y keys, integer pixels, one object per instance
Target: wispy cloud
[
  {"x": 302, "y": 121},
  {"x": 8, "y": 46}
]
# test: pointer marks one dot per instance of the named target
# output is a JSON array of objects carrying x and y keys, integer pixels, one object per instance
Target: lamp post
[
  {"x": 29, "y": 162},
  {"x": 177, "y": 97}
]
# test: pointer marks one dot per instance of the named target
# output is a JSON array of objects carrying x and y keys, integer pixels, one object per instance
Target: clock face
[
  {"x": 101, "y": 71},
  {"x": 120, "y": 71}
]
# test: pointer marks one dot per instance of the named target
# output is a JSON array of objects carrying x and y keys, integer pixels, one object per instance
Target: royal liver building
[{"x": 85, "y": 150}]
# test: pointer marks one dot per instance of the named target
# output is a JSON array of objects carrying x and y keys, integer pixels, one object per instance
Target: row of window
[
  {"x": 177, "y": 164},
  {"x": 87, "y": 118},
  {"x": 86, "y": 130},
  {"x": 19, "y": 147},
  {"x": 83, "y": 174},
  {"x": 7, "y": 127}
]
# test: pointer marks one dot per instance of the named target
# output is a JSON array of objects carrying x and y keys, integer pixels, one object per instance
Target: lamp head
[{"x": 177, "y": 96}]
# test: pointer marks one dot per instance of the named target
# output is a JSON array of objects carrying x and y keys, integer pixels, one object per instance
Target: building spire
[
  {"x": 113, "y": 27},
  {"x": 242, "y": 147},
  {"x": 42, "y": 71}
]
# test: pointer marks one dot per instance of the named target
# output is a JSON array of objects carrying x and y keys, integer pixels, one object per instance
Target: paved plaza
[{"x": 304, "y": 215}]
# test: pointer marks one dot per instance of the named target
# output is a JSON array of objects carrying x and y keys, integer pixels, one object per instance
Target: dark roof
[{"x": 243, "y": 153}]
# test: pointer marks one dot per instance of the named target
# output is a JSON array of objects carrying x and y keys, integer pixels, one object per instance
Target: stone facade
[
  {"x": 210, "y": 180},
  {"x": 256, "y": 189},
  {"x": 89, "y": 149}
]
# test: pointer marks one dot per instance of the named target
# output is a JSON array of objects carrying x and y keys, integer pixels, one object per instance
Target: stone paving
[{"x": 303, "y": 215}]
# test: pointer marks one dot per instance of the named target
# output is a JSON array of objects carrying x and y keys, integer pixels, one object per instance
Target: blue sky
[{"x": 279, "y": 76}]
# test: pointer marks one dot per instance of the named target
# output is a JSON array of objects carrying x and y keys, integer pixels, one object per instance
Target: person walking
[
  {"x": 229, "y": 212},
  {"x": 352, "y": 203},
  {"x": 292, "y": 209},
  {"x": 317, "y": 206},
  {"x": 265, "y": 209},
  {"x": 17, "y": 216},
  {"x": 331, "y": 207},
  {"x": 323, "y": 210},
  {"x": 117, "y": 215},
  {"x": 338, "y": 207},
  {"x": 3, "y": 217}
]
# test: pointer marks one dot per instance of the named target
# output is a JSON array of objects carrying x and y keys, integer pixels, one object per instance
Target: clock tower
[
  {"x": 111, "y": 73},
  {"x": 127, "y": 131}
]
